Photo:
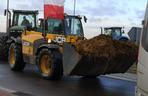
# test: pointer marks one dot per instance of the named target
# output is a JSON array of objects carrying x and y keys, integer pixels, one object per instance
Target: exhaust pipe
[{"x": 101, "y": 30}]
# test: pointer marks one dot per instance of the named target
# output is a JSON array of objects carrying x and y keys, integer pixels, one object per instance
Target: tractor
[{"x": 117, "y": 33}]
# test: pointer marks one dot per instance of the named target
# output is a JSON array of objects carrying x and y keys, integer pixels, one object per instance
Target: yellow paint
[
  {"x": 45, "y": 64},
  {"x": 28, "y": 50},
  {"x": 52, "y": 36},
  {"x": 31, "y": 36},
  {"x": 71, "y": 39},
  {"x": 12, "y": 56}
]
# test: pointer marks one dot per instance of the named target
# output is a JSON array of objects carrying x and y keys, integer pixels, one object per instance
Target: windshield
[
  {"x": 73, "y": 26},
  {"x": 27, "y": 20},
  {"x": 108, "y": 32},
  {"x": 55, "y": 26},
  {"x": 113, "y": 32},
  {"x": 116, "y": 33}
]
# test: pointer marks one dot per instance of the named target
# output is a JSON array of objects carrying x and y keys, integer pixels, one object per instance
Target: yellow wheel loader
[
  {"x": 42, "y": 45},
  {"x": 49, "y": 46}
]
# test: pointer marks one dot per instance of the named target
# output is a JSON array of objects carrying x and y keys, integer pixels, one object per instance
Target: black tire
[
  {"x": 124, "y": 39},
  {"x": 54, "y": 61},
  {"x": 4, "y": 47},
  {"x": 18, "y": 63}
]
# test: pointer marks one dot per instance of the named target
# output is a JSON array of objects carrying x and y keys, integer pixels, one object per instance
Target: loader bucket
[
  {"x": 118, "y": 65},
  {"x": 77, "y": 64}
]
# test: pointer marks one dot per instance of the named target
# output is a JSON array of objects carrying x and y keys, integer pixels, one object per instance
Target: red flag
[{"x": 54, "y": 9}]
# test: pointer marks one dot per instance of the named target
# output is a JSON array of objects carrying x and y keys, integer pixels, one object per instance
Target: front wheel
[
  {"x": 49, "y": 64},
  {"x": 15, "y": 57}
]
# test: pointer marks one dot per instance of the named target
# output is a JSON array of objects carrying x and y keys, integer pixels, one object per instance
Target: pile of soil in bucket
[{"x": 118, "y": 56}]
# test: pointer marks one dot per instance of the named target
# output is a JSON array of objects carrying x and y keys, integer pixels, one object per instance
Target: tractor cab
[
  {"x": 25, "y": 18},
  {"x": 22, "y": 20},
  {"x": 117, "y": 33}
]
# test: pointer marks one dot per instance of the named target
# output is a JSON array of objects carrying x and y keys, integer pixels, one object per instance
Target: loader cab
[
  {"x": 71, "y": 25},
  {"x": 54, "y": 26}
]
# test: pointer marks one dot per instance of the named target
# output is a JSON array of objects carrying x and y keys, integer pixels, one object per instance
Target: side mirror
[
  {"x": 25, "y": 29},
  {"x": 123, "y": 32},
  {"x": 5, "y": 12},
  {"x": 41, "y": 23},
  {"x": 143, "y": 22},
  {"x": 85, "y": 19},
  {"x": 101, "y": 30}
]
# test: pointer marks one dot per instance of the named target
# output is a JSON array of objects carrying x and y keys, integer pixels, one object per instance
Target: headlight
[{"x": 49, "y": 41}]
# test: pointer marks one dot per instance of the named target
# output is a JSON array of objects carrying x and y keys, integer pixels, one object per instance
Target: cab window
[
  {"x": 116, "y": 33},
  {"x": 27, "y": 20},
  {"x": 108, "y": 32},
  {"x": 55, "y": 26},
  {"x": 73, "y": 26}
]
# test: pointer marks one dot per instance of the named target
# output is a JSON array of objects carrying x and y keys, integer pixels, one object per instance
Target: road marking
[
  {"x": 7, "y": 90},
  {"x": 14, "y": 93},
  {"x": 120, "y": 78},
  {"x": 22, "y": 94}
]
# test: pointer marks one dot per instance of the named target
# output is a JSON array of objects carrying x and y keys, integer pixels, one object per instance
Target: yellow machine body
[{"x": 31, "y": 38}]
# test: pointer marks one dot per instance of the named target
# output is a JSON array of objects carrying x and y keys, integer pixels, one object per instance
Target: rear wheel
[
  {"x": 4, "y": 47},
  {"x": 15, "y": 57},
  {"x": 49, "y": 64}
]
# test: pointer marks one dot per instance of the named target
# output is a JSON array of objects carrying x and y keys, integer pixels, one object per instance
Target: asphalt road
[{"x": 28, "y": 83}]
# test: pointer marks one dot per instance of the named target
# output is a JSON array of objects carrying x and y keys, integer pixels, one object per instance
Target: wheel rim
[
  {"x": 12, "y": 56},
  {"x": 45, "y": 64}
]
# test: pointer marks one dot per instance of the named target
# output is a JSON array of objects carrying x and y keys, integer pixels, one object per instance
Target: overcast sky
[{"x": 99, "y": 12}]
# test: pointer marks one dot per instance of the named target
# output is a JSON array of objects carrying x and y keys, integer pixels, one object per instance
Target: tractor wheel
[
  {"x": 15, "y": 57},
  {"x": 49, "y": 64},
  {"x": 4, "y": 47},
  {"x": 124, "y": 39}
]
